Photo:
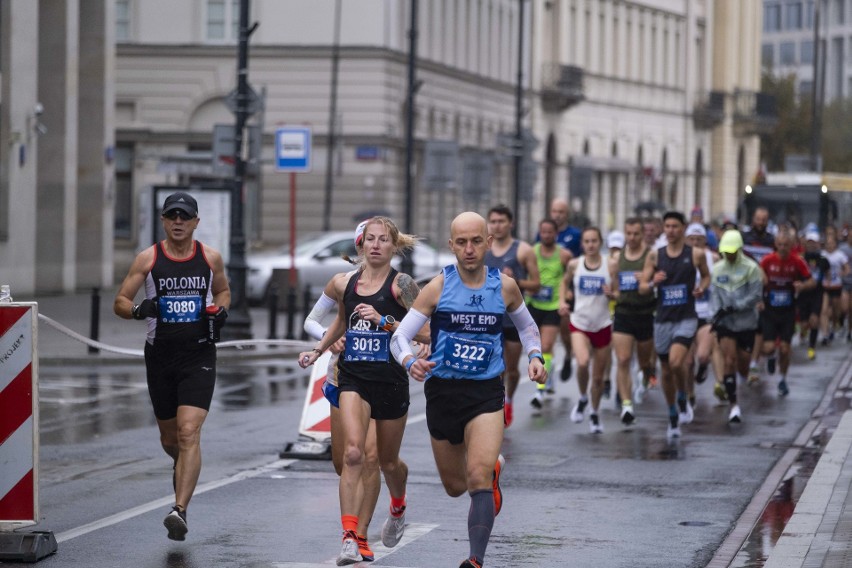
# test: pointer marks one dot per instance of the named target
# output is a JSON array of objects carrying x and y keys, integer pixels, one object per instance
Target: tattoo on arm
[{"x": 408, "y": 290}]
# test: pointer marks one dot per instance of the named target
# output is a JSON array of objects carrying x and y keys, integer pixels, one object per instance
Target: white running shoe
[
  {"x": 537, "y": 399},
  {"x": 393, "y": 530},
  {"x": 673, "y": 432},
  {"x": 735, "y": 417},
  {"x": 595, "y": 426},
  {"x": 349, "y": 551},
  {"x": 687, "y": 415},
  {"x": 577, "y": 412},
  {"x": 628, "y": 418},
  {"x": 638, "y": 393}
]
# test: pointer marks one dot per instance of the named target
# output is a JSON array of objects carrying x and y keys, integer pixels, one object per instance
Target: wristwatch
[{"x": 387, "y": 323}]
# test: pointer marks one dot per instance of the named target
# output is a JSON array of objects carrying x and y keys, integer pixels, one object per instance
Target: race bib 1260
[{"x": 180, "y": 309}]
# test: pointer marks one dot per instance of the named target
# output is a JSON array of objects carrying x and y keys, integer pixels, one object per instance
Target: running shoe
[
  {"x": 735, "y": 416},
  {"x": 824, "y": 342},
  {"x": 393, "y": 529},
  {"x": 349, "y": 551},
  {"x": 770, "y": 365},
  {"x": 495, "y": 484},
  {"x": 607, "y": 389},
  {"x": 782, "y": 388},
  {"x": 652, "y": 382},
  {"x": 686, "y": 413},
  {"x": 638, "y": 393},
  {"x": 538, "y": 399},
  {"x": 673, "y": 430},
  {"x": 811, "y": 353},
  {"x": 595, "y": 426},
  {"x": 565, "y": 373},
  {"x": 507, "y": 414},
  {"x": 175, "y": 523},
  {"x": 627, "y": 416},
  {"x": 753, "y": 374},
  {"x": 364, "y": 548},
  {"x": 720, "y": 392},
  {"x": 579, "y": 409},
  {"x": 470, "y": 563},
  {"x": 701, "y": 374}
]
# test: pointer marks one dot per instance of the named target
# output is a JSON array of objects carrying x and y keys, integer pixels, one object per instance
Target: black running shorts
[
  {"x": 808, "y": 305},
  {"x": 544, "y": 317},
  {"x": 180, "y": 377},
  {"x": 778, "y": 324},
  {"x": 744, "y": 339},
  {"x": 452, "y": 403},
  {"x": 640, "y": 326},
  {"x": 388, "y": 401}
]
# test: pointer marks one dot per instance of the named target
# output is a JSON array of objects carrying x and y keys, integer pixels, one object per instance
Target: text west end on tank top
[
  {"x": 466, "y": 327},
  {"x": 182, "y": 288}
]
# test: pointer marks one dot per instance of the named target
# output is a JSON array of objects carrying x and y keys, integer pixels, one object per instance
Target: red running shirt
[{"x": 780, "y": 275}]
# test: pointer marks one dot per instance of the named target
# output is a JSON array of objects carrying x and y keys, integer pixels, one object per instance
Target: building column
[
  {"x": 96, "y": 145},
  {"x": 56, "y": 193}
]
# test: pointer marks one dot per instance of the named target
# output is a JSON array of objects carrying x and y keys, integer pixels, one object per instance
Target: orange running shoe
[
  {"x": 495, "y": 484},
  {"x": 364, "y": 548}
]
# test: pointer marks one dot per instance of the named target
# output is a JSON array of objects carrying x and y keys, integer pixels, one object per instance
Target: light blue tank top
[{"x": 467, "y": 339}]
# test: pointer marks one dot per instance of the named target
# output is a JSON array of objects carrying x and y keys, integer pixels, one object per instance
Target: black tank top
[
  {"x": 675, "y": 301},
  {"x": 367, "y": 353},
  {"x": 182, "y": 289}
]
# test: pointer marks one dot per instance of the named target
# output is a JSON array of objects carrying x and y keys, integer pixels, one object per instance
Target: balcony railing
[
  {"x": 709, "y": 111},
  {"x": 754, "y": 112},
  {"x": 561, "y": 86}
]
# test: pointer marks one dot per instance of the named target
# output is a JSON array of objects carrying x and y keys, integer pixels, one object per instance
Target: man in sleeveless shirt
[
  {"x": 551, "y": 260},
  {"x": 183, "y": 280},
  {"x": 464, "y": 393},
  {"x": 672, "y": 270},
  {"x": 633, "y": 322},
  {"x": 516, "y": 259}
]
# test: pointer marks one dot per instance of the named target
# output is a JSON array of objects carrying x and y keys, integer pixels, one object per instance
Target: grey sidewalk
[{"x": 819, "y": 534}]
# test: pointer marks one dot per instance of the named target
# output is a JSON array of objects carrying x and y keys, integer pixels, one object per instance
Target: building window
[
  {"x": 122, "y": 20},
  {"x": 787, "y": 53},
  {"x": 809, "y": 14},
  {"x": 771, "y": 17},
  {"x": 767, "y": 55},
  {"x": 223, "y": 20},
  {"x": 806, "y": 53},
  {"x": 123, "y": 192},
  {"x": 794, "y": 16},
  {"x": 840, "y": 12}
]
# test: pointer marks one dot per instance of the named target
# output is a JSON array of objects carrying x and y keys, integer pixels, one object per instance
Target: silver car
[{"x": 318, "y": 258}]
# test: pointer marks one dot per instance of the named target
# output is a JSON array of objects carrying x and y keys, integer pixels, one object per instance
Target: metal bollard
[
  {"x": 306, "y": 309},
  {"x": 273, "y": 312},
  {"x": 291, "y": 311},
  {"x": 95, "y": 319}
]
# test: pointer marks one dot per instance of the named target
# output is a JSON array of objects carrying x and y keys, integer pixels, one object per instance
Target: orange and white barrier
[
  {"x": 315, "y": 427},
  {"x": 18, "y": 415}
]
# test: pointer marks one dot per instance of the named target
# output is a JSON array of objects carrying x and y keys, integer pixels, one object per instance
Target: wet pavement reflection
[{"x": 77, "y": 404}]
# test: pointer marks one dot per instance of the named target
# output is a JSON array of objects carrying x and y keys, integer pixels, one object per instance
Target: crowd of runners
[{"x": 660, "y": 303}]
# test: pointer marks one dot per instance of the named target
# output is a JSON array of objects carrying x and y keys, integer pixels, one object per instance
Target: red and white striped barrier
[
  {"x": 315, "y": 427},
  {"x": 18, "y": 415}
]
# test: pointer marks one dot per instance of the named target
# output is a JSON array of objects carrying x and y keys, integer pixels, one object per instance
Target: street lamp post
[
  {"x": 407, "y": 265},
  {"x": 519, "y": 111},
  {"x": 332, "y": 120},
  {"x": 239, "y": 319}
]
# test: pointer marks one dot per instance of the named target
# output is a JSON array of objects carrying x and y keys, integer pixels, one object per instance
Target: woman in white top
[
  {"x": 587, "y": 282},
  {"x": 832, "y": 283}
]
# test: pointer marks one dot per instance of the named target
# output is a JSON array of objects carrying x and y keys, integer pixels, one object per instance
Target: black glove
[
  {"x": 218, "y": 322},
  {"x": 147, "y": 309}
]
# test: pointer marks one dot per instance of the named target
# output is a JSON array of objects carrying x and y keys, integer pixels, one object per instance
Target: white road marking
[
  {"x": 165, "y": 501},
  {"x": 413, "y": 531}
]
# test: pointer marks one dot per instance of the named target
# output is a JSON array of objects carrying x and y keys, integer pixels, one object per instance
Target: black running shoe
[
  {"x": 770, "y": 365},
  {"x": 470, "y": 563},
  {"x": 701, "y": 374},
  {"x": 565, "y": 373},
  {"x": 175, "y": 523}
]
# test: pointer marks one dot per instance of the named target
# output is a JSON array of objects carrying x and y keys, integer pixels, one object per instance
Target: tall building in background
[
  {"x": 647, "y": 104},
  {"x": 56, "y": 145}
]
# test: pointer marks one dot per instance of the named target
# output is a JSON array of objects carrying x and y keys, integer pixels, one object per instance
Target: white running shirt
[{"x": 591, "y": 306}]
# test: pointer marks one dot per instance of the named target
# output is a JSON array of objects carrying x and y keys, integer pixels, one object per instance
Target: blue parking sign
[{"x": 293, "y": 149}]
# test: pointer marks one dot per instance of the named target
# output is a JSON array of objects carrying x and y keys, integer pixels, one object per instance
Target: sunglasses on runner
[{"x": 175, "y": 213}]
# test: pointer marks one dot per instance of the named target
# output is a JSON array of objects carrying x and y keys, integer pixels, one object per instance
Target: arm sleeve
[
  {"x": 527, "y": 329},
  {"x": 405, "y": 332},
  {"x": 322, "y": 308}
]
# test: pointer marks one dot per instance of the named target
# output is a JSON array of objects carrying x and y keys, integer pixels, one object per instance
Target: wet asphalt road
[{"x": 571, "y": 498}]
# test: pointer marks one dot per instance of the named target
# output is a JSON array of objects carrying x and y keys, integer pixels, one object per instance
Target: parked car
[{"x": 318, "y": 258}]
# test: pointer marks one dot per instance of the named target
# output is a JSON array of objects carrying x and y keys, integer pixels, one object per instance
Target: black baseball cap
[{"x": 183, "y": 201}]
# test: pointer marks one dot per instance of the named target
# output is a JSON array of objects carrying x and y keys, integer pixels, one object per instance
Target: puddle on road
[
  {"x": 77, "y": 405},
  {"x": 778, "y": 511}
]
